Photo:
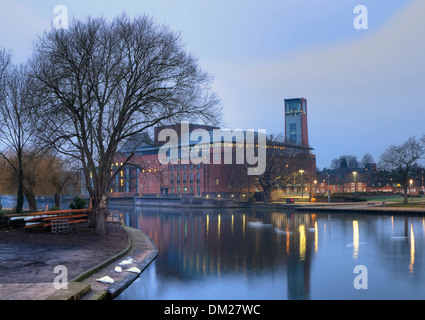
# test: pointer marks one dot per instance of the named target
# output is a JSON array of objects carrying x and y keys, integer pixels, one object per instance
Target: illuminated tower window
[{"x": 296, "y": 130}]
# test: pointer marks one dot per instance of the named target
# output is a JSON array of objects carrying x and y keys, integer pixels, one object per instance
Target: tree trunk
[
  {"x": 405, "y": 194},
  {"x": 268, "y": 193},
  {"x": 20, "y": 194},
  {"x": 32, "y": 202},
  {"x": 93, "y": 215},
  {"x": 57, "y": 200},
  {"x": 101, "y": 211}
]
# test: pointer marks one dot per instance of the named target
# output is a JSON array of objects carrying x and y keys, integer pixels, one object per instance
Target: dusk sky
[{"x": 365, "y": 88}]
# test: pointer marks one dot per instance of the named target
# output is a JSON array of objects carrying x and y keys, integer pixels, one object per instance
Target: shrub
[{"x": 78, "y": 203}]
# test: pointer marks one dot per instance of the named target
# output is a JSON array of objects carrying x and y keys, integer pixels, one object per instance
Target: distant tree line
[
  {"x": 351, "y": 162},
  {"x": 401, "y": 163}
]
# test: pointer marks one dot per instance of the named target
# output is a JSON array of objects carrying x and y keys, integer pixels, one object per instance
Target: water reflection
[
  {"x": 412, "y": 249},
  {"x": 355, "y": 239},
  {"x": 208, "y": 254}
]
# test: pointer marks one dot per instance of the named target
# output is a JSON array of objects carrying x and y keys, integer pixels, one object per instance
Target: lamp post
[
  {"x": 355, "y": 175},
  {"x": 329, "y": 191},
  {"x": 410, "y": 192},
  {"x": 314, "y": 193},
  {"x": 302, "y": 183}
]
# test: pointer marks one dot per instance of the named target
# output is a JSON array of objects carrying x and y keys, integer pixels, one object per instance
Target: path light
[
  {"x": 302, "y": 183},
  {"x": 355, "y": 175}
]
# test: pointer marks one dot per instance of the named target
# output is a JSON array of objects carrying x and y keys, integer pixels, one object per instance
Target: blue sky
[{"x": 364, "y": 87}]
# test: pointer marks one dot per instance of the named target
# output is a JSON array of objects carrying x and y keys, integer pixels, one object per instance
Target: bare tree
[
  {"x": 345, "y": 162},
  {"x": 399, "y": 162},
  {"x": 15, "y": 127},
  {"x": 283, "y": 163},
  {"x": 99, "y": 83},
  {"x": 367, "y": 160},
  {"x": 53, "y": 175}
]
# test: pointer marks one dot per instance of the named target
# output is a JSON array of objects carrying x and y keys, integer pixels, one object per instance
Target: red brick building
[{"x": 145, "y": 174}]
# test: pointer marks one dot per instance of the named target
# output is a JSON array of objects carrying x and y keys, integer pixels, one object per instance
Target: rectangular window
[
  {"x": 172, "y": 178},
  {"x": 191, "y": 178},
  {"x": 185, "y": 189},
  {"x": 191, "y": 189},
  {"x": 178, "y": 178},
  {"x": 293, "y": 132},
  {"x": 198, "y": 178},
  {"x": 198, "y": 190},
  {"x": 184, "y": 177},
  {"x": 216, "y": 182},
  {"x": 178, "y": 189}
]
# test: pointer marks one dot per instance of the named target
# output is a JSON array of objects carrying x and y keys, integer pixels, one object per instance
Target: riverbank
[
  {"x": 28, "y": 261},
  {"x": 361, "y": 208}
]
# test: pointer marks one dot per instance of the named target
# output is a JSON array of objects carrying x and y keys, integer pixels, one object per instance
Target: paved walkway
[
  {"x": 143, "y": 252},
  {"x": 85, "y": 286},
  {"x": 366, "y": 207}
]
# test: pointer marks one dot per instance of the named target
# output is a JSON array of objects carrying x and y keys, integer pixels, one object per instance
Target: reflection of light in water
[
  {"x": 316, "y": 237},
  {"x": 392, "y": 223},
  {"x": 412, "y": 249},
  {"x": 218, "y": 226},
  {"x": 302, "y": 242},
  {"x": 287, "y": 239},
  {"x": 208, "y": 223},
  {"x": 232, "y": 224},
  {"x": 355, "y": 239},
  {"x": 243, "y": 225}
]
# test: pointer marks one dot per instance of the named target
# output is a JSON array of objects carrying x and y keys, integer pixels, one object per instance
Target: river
[{"x": 271, "y": 255}]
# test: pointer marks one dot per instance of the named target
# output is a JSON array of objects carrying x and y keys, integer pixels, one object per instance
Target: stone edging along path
[{"x": 140, "y": 249}]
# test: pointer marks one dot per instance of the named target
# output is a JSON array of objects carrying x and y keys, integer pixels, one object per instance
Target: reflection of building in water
[
  {"x": 299, "y": 235},
  {"x": 197, "y": 244},
  {"x": 194, "y": 245},
  {"x": 300, "y": 252}
]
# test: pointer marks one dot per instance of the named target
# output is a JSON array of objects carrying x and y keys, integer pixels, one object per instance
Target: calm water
[{"x": 208, "y": 254}]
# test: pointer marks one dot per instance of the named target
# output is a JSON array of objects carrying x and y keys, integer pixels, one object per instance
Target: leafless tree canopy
[
  {"x": 16, "y": 148},
  {"x": 398, "y": 161},
  {"x": 99, "y": 83}
]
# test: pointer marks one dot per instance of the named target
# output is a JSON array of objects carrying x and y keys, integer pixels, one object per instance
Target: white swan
[
  {"x": 125, "y": 263},
  {"x": 134, "y": 270},
  {"x": 106, "y": 279}
]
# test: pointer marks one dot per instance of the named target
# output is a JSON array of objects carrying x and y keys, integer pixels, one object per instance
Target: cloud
[
  {"x": 19, "y": 26},
  {"x": 363, "y": 94}
]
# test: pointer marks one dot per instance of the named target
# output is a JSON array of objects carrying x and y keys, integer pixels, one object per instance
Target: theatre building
[{"x": 145, "y": 174}]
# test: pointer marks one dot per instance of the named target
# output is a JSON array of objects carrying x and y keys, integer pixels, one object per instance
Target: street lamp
[
  {"x": 355, "y": 175},
  {"x": 329, "y": 190},
  {"x": 302, "y": 183},
  {"x": 410, "y": 192}
]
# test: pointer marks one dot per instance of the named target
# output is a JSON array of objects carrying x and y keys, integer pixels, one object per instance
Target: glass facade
[
  {"x": 293, "y": 107},
  {"x": 293, "y": 132}
]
